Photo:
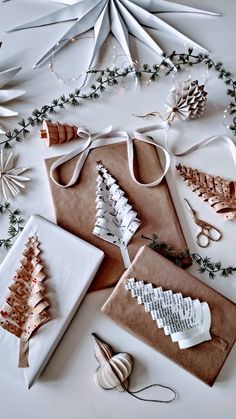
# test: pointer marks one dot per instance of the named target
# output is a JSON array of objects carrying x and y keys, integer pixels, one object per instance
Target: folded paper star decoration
[
  {"x": 7, "y": 94},
  {"x": 119, "y": 17}
]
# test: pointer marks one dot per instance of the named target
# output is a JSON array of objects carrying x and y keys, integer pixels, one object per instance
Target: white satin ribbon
[
  {"x": 103, "y": 138},
  {"x": 166, "y": 126},
  {"x": 108, "y": 137}
]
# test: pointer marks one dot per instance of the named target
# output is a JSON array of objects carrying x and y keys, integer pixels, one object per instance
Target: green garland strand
[
  {"x": 204, "y": 264},
  {"x": 108, "y": 77}
]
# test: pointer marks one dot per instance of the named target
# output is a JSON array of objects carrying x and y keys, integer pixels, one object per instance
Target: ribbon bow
[{"x": 103, "y": 138}]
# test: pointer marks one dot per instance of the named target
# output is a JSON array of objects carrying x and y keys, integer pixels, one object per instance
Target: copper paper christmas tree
[
  {"x": 26, "y": 306},
  {"x": 219, "y": 193},
  {"x": 56, "y": 133}
]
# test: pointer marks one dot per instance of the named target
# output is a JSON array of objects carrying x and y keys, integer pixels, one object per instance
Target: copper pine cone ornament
[
  {"x": 57, "y": 133},
  {"x": 219, "y": 193},
  {"x": 187, "y": 100}
]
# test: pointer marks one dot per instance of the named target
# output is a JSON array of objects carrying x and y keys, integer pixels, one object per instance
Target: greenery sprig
[
  {"x": 15, "y": 224},
  {"x": 204, "y": 264},
  {"x": 110, "y": 77}
]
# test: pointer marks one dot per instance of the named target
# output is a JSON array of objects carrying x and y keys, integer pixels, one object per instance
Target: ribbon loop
[
  {"x": 108, "y": 137},
  {"x": 83, "y": 150},
  {"x": 141, "y": 136}
]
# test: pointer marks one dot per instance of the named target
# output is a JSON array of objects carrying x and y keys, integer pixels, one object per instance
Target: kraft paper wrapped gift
[
  {"x": 75, "y": 207},
  {"x": 204, "y": 360},
  {"x": 70, "y": 265}
]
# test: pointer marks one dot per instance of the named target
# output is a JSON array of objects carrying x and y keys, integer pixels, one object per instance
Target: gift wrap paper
[
  {"x": 70, "y": 265},
  {"x": 204, "y": 360},
  {"x": 75, "y": 207}
]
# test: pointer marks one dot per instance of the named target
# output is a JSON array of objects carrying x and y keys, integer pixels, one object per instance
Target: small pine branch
[
  {"x": 15, "y": 224},
  {"x": 204, "y": 264}
]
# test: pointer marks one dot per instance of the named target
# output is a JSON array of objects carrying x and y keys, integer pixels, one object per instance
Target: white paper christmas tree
[
  {"x": 116, "y": 221},
  {"x": 185, "y": 320}
]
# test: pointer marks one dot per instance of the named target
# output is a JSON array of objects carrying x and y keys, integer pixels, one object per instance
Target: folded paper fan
[
  {"x": 219, "y": 193},
  {"x": 11, "y": 179},
  {"x": 25, "y": 309},
  {"x": 116, "y": 221},
  {"x": 185, "y": 320}
]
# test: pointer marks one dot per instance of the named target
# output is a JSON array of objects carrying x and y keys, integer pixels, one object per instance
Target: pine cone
[
  {"x": 218, "y": 192},
  {"x": 187, "y": 100}
]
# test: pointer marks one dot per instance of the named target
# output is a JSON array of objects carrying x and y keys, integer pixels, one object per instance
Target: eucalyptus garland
[
  {"x": 110, "y": 77},
  {"x": 15, "y": 224},
  {"x": 204, "y": 264}
]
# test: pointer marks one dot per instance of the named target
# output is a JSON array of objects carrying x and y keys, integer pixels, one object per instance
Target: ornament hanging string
[
  {"x": 111, "y": 375},
  {"x": 134, "y": 393}
]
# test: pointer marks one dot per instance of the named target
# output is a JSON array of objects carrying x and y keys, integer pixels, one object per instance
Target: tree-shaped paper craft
[
  {"x": 185, "y": 320},
  {"x": 219, "y": 193},
  {"x": 25, "y": 309},
  {"x": 116, "y": 221}
]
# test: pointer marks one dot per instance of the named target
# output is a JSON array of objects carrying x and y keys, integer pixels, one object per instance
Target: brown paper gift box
[
  {"x": 75, "y": 207},
  {"x": 204, "y": 360}
]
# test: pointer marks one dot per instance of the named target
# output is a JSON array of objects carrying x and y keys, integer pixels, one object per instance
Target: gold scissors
[{"x": 208, "y": 232}]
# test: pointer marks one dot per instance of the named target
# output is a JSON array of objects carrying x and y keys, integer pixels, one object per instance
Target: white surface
[
  {"x": 66, "y": 388},
  {"x": 66, "y": 286}
]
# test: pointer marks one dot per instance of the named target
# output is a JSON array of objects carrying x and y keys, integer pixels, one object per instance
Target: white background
[{"x": 66, "y": 388}]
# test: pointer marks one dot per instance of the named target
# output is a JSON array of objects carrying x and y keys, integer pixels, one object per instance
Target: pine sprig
[
  {"x": 204, "y": 264},
  {"x": 207, "y": 265},
  {"x": 110, "y": 77},
  {"x": 15, "y": 224}
]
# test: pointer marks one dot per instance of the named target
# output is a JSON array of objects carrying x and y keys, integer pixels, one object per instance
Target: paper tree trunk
[
  {"x": 26, "y": 306},
  {"x": 116, "y": 221},
  {"x": 185, "y": 320},
  {"x": 218, "y": 192}
]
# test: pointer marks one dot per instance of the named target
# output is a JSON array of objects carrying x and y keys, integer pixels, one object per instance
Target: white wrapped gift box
[{"x": 70, "y": 265}]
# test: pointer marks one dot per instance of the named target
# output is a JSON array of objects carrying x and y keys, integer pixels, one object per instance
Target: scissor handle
[
  {"x": 206, "y": 232},
  {"x": 218, "y": 234},
  {"x": 206, "y": 236}
]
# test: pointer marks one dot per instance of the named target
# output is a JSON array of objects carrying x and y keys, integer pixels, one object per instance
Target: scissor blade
[{"x": 188, "y": 205}]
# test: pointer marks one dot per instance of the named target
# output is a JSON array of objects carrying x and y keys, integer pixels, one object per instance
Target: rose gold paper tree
[
  {"x": 25, "y": 309},
  {"x": 219, "y": 193},
  {"x": 57, "y": 133}
]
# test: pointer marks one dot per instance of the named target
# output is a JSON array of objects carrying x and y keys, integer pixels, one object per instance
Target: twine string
[{"x": 133, "y": 393}]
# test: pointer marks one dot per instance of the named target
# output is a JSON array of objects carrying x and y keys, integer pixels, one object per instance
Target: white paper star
[
  {"x": 8, "y": 94},
  {"x": 120, "y": 17},
  {"x": 10, "y": 176}
]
